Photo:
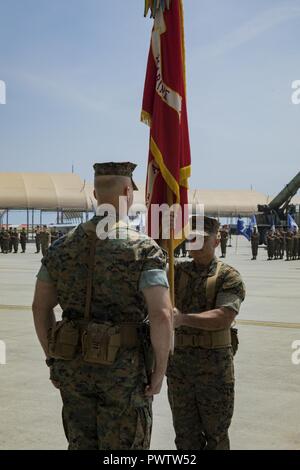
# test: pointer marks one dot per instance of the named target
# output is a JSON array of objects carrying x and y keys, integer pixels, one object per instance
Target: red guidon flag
[{"x": 165, "y": 111}]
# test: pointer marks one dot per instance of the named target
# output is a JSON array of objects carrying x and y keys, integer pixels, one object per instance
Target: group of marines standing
[{"x": 283, "y": 242}]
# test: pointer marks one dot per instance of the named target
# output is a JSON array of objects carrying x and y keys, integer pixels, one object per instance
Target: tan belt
[
  {"x": 205, "y": 339},
  {"x": 126, "y": 336}
]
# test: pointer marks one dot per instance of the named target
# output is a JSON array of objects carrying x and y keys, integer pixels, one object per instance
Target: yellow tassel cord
[{"x": 146, "y": 118}]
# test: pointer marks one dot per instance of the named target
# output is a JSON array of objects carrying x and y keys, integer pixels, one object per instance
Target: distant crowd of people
[
  {"x": 281, "y": 242},
  {"x": 11, "y": 239}
]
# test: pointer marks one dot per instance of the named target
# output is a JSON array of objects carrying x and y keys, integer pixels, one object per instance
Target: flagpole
[
  {"x": 236, "y": 243},
  {"x": 171, "y": 274}
]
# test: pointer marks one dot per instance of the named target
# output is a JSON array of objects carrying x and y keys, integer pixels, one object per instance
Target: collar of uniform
[
  {"x": 208, "y": 270},
  {"x": 212, "y": 267}
]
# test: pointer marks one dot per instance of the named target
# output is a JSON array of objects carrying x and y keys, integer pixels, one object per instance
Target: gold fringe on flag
[
  {"x": 155, "y": 5},
  {"x": 146, "y": 118}
]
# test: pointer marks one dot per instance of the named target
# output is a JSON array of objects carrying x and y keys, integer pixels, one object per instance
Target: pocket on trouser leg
[
  {"x": 143, "y": 429},
  {"x": 135, "y": 431}
]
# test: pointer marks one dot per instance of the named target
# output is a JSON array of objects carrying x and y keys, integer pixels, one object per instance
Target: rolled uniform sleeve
[
  {"x": 153, "y": 267},
  {"x": 45, "y": 272},
  {"x": 43, "y": 275},
  {"x": 153, "y": 277},
  {"x": 232, "y": 291}
]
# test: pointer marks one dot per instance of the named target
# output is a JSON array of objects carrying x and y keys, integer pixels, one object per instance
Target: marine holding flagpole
[
  {"x": 207, "y": 292},
  {"x": 164, "y": 110}
]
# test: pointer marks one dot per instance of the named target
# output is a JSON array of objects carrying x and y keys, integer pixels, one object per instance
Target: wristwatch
[{"x": 50, "y": 361}]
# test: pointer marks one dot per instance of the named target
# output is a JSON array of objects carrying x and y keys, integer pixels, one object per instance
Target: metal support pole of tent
[
  {"x": 86, "y": 216},
  {"x": 40, "y": 217},
  {"x": 6, "y": 219},
  {"x": 27, "y": 223},
  {"x": 57, "y": 216},
  {"x": 32, "y": 223},
  {"x": 62, "y": 216}
]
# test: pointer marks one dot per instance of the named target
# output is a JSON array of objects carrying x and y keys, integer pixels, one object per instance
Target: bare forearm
[
  {"x": 161, "y": 334},
  {"x": 43, "y": 320},
  {"x": 212, "y": 320}
]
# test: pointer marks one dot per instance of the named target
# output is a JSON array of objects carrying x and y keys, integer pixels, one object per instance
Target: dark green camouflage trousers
[
  {"x": 201, "y": 396},
  {"x": 104, "y": 407}
]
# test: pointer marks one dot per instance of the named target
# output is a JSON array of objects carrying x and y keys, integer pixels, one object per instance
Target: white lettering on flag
[{"x": 169, "y": 96}]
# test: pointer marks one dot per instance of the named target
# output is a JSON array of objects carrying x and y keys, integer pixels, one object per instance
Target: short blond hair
[{"x": 111, "y": 185}]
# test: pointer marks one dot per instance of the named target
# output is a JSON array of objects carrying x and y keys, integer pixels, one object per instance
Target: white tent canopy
[
  {"x": 45, "y": 191},
  {"x": 67, "y": 191}
]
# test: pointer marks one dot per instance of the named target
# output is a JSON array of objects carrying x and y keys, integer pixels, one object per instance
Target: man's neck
[{"x": 205, "y": 263}]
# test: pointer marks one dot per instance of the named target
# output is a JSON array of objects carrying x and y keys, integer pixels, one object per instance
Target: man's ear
[
  {"x": 127, "y": 192},
  {"x": 217, "y": 243}
]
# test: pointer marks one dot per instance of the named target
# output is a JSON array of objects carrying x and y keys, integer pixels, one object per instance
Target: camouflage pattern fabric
[
  {"x": 224, "y": 239},
  {"x": 201, "y": 381},
  {"x": 270, "y": 246},
  {"x": 289, "y": 246},
  {"x": 104, "y": 407},
  {"x": 295, "y": 246},
  {"x": 254, "y": 244},
  {"x": 44, "y": 240},
  {"x": 201, "y": 396},
  {"x": 118, "y": 267},
  {"x": 282, "y": 243},
  {"x": 5, "y": 241}
]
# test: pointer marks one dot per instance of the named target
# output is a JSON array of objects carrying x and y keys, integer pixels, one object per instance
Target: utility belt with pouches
[
  {"x": 205, "y": 339},
  {"x": 98, "y": 343},
  {"x": 208, "y": 339}
]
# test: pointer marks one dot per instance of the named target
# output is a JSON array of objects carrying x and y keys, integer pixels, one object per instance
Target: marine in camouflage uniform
[
  {"x": 1, "y": 239},
  {"x": 289, "y": 245},
  {"x": 270, "y": 245},
  {"x": 45, "y": 240},
  {"x": 23, "y": 239},
  {"x": 276, "y": 245},
  {"x": 15, "y": 240},
  {"x": 5, "y": 241},
  {"x": 224, "y": 239},
  {"x": 295, "y": 246},
  {"x": 53, "y": 236},
  {"x": 107, "y": 406},
  {"x": 10, "y": 240},
  {"x": 254, "y": 243},
  {"x": 38, "y": 239},
  {"x": 282, "y": 235},
  {"x": 200, "y": 373}
]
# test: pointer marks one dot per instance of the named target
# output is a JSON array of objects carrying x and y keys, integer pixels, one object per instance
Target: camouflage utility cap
[
  {"x": 211, "y": 226},
  {"x": 116, "y": 169}
]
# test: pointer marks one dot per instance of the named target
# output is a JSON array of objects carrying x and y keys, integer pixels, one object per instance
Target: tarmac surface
[{"x": 267, "y": 411}]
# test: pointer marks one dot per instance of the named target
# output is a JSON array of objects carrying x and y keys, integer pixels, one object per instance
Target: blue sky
[{"x": 75, "y": 69}]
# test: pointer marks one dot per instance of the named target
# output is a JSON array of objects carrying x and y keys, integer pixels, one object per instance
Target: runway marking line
[{"x": 271, "y": 324}]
